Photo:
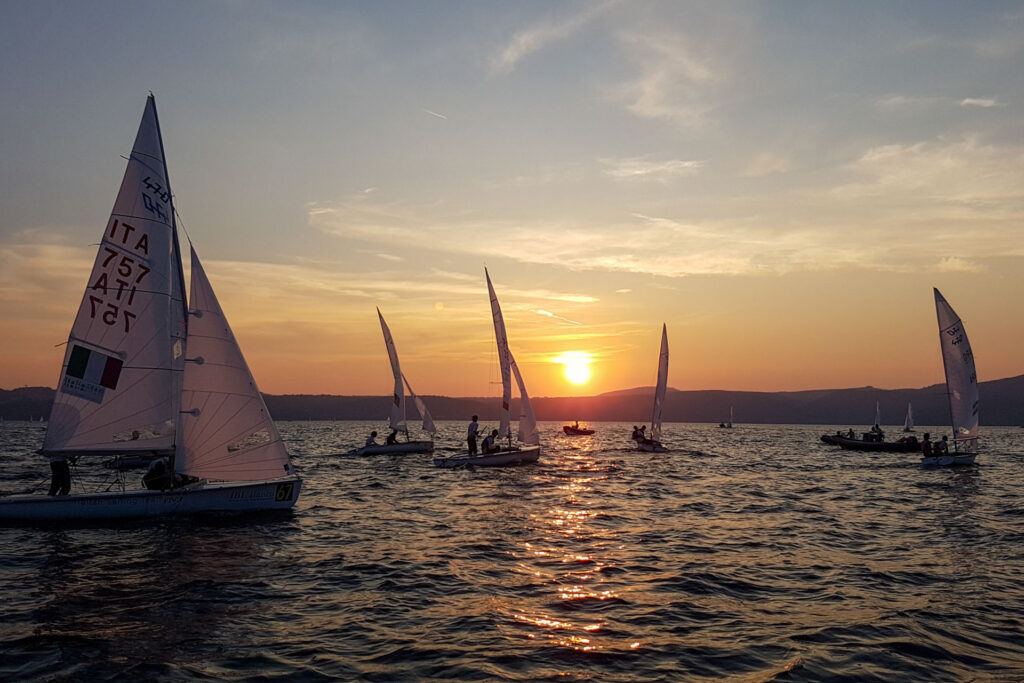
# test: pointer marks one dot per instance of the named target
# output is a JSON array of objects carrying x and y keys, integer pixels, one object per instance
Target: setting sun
[{"x": 577, "y": 366}]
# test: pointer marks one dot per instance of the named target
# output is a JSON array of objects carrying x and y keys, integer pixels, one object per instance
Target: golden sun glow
[{"x": 577, "y": 365}]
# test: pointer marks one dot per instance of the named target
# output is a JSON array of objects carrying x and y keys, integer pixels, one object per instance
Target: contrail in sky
[
  {"x": 434, "y": 113},
  {"x": 549, "y": 314}
]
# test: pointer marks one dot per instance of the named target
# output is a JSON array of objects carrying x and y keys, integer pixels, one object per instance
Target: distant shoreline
[{"x": 1001, "y": 405}]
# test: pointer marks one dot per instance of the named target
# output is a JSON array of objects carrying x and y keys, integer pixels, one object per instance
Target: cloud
[
  {"x": 537, "y": 37},
  {"x": 646, "y": 169},
  {"x": 984, "y": 102},
  {"x": 673, "y": 81},
  {"x": 955, "y": 264}
]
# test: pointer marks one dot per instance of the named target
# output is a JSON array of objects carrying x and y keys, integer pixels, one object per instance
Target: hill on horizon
[{"x": 1001, "y": 405}]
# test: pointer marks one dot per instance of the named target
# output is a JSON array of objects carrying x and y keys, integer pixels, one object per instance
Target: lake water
[{"x": 757, "y": 553}]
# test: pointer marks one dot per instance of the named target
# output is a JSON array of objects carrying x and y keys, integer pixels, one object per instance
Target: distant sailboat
[
  {"x": 528, "y": 433},
  {"x": 727, "y": 425},
  {"x": 961, "y": 387},
  {"x": 653, "y": 444},
  {"x": 908, "y": 423},
  {"x": 398, "y": 416},
  {"x": 127, "y": 386}
]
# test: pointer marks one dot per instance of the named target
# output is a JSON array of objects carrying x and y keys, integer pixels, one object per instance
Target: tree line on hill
[{"x": 1001, "y": 405}]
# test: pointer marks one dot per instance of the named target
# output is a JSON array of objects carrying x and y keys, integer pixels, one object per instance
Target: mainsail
[
  {"x": 659, "y": 391},
  {"x": 908, "y": 423},
  {"x": 119, "y": 388},
  {"x": 503, "y": 359},
  {"x": 398, "y": 396},
  {"x": 961, "y": 376},
  {"x": 227, "y": 433},
  {"x": 878, "y": 414}
]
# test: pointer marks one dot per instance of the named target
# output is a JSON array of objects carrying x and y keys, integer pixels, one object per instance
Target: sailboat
[
  {"x": 397, "y": 421},
  {"x": 908, "y": 422},
  {"x": 961, "y": 387},
  {"x": 727, "y": 425},
  {"x": 146, "y": 371},
  {"x": 528, "y": 434},
  {"x": 653, "y": 444}
]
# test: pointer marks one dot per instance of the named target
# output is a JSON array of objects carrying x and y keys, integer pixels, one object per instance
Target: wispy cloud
[
  {"x": 549, "y": 314},
  {"x": 647, "y": 169},
  {"x": 530, "y": 40},
  {"x": 984, "y": 102},
  {"x": 673, "y": 80}
]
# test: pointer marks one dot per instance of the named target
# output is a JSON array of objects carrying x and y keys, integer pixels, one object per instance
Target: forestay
[
  {"x": 961, "y": 376},
  {"x": 659, "y": 391},
  {"x": 227, "y": 433},
  {"x": 119, "y": 387}
]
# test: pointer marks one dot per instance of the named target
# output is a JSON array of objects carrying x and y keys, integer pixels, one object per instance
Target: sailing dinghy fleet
[
  {"x": 148, "y": 372},
  {"x": 152, "y": 376}
]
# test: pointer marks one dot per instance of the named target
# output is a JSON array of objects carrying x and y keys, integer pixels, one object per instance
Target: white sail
[
  {"x": 421, "y": 408},
  {"x": 961, "y": 376},
  {"x": 908, "y": 422},
  {"x": 528, "y": 432},
  {"x": 659, "y": 391},
  {"x": 503, "y": 359},
  {"x": 398, "y": 396},
  {"x": 878, "y": 414},
  {"x": 119, "y": 386},
  {"x": 227, "y": 433},
  {"x": 730, "y": 416}
]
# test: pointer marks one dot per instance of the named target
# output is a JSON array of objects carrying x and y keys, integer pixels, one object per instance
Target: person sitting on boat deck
[
  {"x": 488, "y": 445},
  {"x": 392, "y": 437},
  {"x": 159, "y": 476},
  {"x": 941, "y": 447},
  {"x": 577, "y": 425},
  {"x": 926, "y": 445},
  {"x": 471, "y": 435},
  {"x": 636, "y": 433},
  {"x": 60, "y": 476},
  {"x": 850, "y": 434},
  {"x": 371, "y": 440}
]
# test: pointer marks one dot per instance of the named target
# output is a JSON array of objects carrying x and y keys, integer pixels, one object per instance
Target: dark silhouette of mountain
[{"x": 1001, "y": 405}]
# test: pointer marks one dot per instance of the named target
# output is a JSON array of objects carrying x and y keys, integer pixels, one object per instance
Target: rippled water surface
[{"x": 755, "y": 553}]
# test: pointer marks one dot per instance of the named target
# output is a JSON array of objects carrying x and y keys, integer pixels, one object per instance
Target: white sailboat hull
[
  {"x": 521, "y": 456},
  {"x": 651, "y": 447},
  {"x": 279, "y": 494},
  {"x": 949, "y": 459},
  {"x": 396, "y": 448}
]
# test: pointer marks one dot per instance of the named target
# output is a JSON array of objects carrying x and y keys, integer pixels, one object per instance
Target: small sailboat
[
  {"x": 576, "y": 430},
  {"x": 961, "y": 388},
  {"x": 653, "y": 443},
  {"x": 148, "y": 372},
  {"x": 398, "y": 415},
  {"x": 727, "y": 425},
  {"x": 908, "y": 422},
  {"x": 528, "y": 434}
]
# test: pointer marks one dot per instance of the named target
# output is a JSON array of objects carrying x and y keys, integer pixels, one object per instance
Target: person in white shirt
[{"x": 471, "y": 435}]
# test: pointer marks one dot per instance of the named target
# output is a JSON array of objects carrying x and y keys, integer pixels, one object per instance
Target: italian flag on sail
[{"x": 90, "y": 373}]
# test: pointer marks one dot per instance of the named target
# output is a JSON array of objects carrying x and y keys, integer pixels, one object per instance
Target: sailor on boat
[
  {"x": 488, "y": 445},
  {"x": 471, "y": 435},
  {"x": 392, "y": 437},
  {"x": 942, "y": 447},
  {"x": 371, "y": 440},
  {"x": 60, "y": 476}
]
